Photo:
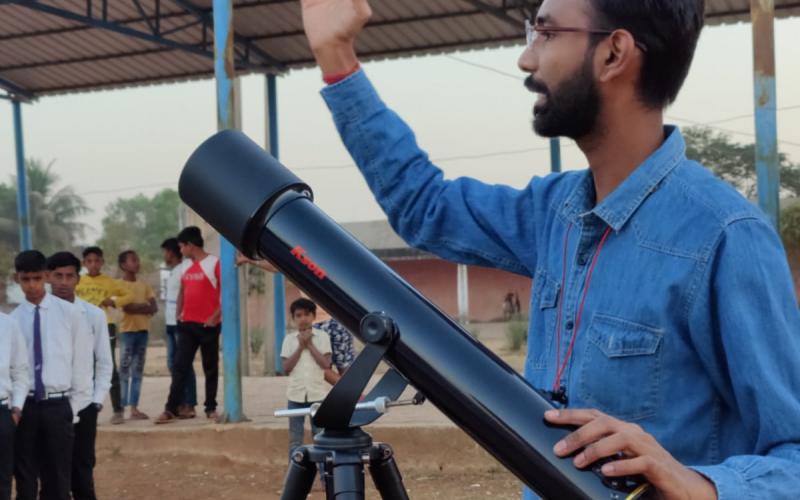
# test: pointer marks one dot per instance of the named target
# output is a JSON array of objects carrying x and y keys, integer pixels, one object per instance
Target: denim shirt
[{"x": 690, "y": 327}]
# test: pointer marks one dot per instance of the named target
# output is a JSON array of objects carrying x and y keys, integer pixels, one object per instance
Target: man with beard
[{"x": 664, "y": 322}]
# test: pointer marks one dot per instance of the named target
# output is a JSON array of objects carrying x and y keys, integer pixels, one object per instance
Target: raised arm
[{"x": 462, "y": 220}]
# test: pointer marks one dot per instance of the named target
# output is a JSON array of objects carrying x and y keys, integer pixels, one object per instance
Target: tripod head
[{"x": 265, "y": 210}]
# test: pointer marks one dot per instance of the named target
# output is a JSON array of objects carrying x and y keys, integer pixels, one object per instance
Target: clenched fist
[{"x": 332, "y": 27}]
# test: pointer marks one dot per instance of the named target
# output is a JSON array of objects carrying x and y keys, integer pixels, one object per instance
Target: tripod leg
[
  {"x": 385, "y": 473},
  {"x": 300, "y": 476}
]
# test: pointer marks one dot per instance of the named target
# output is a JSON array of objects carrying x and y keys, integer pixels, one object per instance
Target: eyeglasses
[{"x": 532, "y": 32}]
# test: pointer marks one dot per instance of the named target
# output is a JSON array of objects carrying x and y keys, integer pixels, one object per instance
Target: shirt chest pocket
[
  {"x": 621, "y": 368},
  {"x": 544, "y": 303}
]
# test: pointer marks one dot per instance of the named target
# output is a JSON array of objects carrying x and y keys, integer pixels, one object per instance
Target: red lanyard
[{"x": 562, "y": 365}]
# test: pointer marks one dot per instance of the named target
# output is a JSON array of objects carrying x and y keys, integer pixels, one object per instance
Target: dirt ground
[
  {"x": 198, "y": 459},
  {"x": 178, "y": 477}
]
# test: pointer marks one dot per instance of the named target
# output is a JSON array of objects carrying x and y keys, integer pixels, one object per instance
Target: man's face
[
  {"x": 63, "y": 281},
  {"x": 303, "y": 319},
  {"x": 32, "y": 284},
  {"x": 131, "y": 264},
  {"x": 561, "y": 71},
  {"x": 186, "y": 249},
  {"x": 170, "y": 258},
  {"x": 93, "y": 264}
]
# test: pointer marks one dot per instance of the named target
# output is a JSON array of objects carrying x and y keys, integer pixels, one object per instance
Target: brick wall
[{"x": 436, "y": 280}]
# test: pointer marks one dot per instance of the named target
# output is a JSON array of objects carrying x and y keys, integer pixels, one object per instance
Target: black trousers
[
  {"x": 43, "y": 450},
  {"x": 192, "y": 336},
  {"x": 7, "y": 429},
  {"x": 83, "y": 458},
  {"x": 115, "y": 390}
]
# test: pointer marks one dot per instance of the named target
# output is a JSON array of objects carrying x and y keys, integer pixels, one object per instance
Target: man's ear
[
  {"x": 619, "y": 54},
  {"x": 16, "y": 278}
]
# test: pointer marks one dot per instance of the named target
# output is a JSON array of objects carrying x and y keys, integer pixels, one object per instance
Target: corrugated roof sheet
[{"x": 42, "y": 53}]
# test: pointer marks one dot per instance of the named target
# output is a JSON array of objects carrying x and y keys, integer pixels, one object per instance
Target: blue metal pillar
[
  {"x": 226, "y": 119},
  {"x": 767, "y": 162},
  {"x": 23, "y": 207},
  {"x": 279, "y": 288},
  {"x": 555, "y": 154}
]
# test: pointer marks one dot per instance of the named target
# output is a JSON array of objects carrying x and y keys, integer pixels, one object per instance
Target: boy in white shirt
[
  {"x": 306, "y": 354},
  {"x": 60, "y": 370},
  {"x": 14, "y": 384},
  {"x": 64, "y": 269}
]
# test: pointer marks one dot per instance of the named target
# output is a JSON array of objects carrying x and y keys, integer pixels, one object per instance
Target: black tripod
[
  {"x": 342, "y": 455},
  {"x": 342, "y": 449}
]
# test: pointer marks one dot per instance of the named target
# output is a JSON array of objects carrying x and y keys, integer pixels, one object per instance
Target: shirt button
[{"x": 569, "y": 325}]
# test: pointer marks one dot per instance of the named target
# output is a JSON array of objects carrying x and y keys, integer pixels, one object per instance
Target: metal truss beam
[
  {"x": 103, "y": 23},
  {"x": 14, "y": 91},
  {"x": 385, "y": 22},
  {"x": 242, "y": 43},
  {"x": 503, "y": 12}
]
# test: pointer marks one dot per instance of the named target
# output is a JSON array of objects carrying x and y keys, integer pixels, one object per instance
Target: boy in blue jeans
[{"x": 306, "y": 354}]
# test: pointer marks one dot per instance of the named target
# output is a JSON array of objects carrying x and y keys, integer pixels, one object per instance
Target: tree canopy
[
  {"x": 736, "y": 164},
  {"x": 140, "y": 223}
]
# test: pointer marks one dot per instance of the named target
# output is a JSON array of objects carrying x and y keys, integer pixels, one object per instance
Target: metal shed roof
[{"x": 58, "y": 46}]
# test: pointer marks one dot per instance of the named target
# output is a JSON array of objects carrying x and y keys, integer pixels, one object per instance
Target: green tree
[
  {"x": 55, "y": 211},
  {"x": 790, "y": 225},
  {"x": 140, "y": 223},
  {"x": 736, "y": 164}
]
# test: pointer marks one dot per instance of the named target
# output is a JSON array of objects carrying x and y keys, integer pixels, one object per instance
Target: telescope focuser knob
[{"x": 378, "y": 328}]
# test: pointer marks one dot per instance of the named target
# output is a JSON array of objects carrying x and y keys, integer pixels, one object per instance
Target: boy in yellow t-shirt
[
  {"x": 134, "y": 328},
  {"x": 106, "y": 293}
]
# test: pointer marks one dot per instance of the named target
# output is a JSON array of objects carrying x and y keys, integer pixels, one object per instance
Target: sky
[{"x": 469, "y": 110}]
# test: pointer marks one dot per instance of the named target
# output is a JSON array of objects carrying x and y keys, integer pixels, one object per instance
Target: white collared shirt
[
  {"x": 173, "y": 288},
  {"x": 14, "y": 382},
  {"x": 307, "y": 380},
  {"x": 66, "y": 349},
  {"x": 95, "y": 318}
]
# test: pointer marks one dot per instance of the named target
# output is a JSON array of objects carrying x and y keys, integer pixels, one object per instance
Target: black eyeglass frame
[{"x": 532, "y": 30}]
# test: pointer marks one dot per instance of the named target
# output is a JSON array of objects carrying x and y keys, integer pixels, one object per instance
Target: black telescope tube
[{"x": 261, "y": 207}]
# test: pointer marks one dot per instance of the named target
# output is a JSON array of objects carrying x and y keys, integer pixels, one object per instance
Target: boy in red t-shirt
[{"x": 199, "y": 314}]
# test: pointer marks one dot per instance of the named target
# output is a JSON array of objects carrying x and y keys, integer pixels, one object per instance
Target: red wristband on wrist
[{"x": 331, "y": 79}]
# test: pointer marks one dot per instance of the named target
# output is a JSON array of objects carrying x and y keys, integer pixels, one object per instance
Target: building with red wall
[{"x": 437, "y": 279}]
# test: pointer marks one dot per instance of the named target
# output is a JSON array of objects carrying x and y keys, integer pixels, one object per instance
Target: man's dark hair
[
  {"x": 191, "y": 234},
  {"x": 92, "y": 250},
  {"x": 171, "y": 245},
  {"x": 30, "y": 261},
  {"x": 63, "y": 259},
  {"x": 303, "y": 304},
  {"x": 123, "y": 256},
  {"x": 670, "y": 30}
]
